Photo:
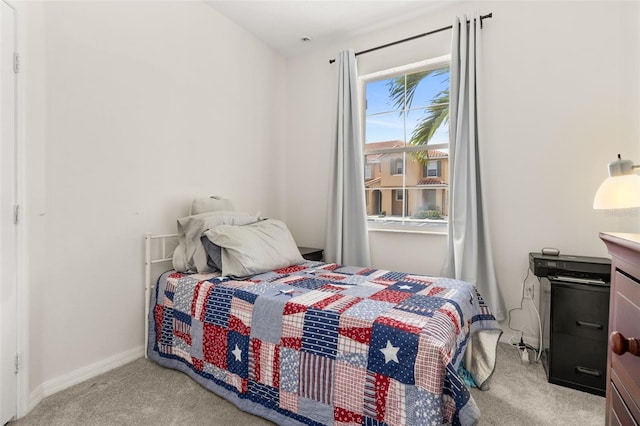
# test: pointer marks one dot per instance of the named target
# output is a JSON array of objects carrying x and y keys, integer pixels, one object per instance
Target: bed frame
[{"x": 157, "y": 249}]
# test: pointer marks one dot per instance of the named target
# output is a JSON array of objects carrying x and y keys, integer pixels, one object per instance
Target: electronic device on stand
[{"x": 574, "y": 309}]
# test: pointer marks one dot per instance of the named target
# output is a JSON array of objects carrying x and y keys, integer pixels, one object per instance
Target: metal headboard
[{"x": 157, "y": 249}]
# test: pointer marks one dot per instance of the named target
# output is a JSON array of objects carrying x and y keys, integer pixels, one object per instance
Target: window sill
[{"x": 438, "y": 229}]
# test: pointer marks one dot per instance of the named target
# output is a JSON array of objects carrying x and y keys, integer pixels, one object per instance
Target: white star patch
[
  {"x": 405, "y": 287},
  {"x": 390, "y": 353},
  {"x": 237, "y": 352}
]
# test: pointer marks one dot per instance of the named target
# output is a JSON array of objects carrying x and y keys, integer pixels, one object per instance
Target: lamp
[{"x": 621, "y": 190}]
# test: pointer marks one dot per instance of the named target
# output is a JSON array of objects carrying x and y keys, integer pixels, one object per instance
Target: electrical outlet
[{"x": 528, "y": 291}]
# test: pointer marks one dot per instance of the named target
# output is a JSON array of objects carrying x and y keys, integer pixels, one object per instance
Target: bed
[{"x": 320, "y": 343}]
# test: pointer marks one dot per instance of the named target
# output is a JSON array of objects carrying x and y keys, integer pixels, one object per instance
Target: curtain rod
[{"x": 489, "y": 15}]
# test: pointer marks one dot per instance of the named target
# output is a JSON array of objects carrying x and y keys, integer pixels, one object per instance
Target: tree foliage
[{"x": 436, "y": 113}]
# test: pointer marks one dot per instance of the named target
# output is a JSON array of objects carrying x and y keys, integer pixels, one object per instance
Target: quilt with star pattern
[{"x": 323, "y": 344}]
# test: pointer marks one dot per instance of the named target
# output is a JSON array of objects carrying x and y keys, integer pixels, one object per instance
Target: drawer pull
[
  {"x": 589, "y": 324},
  {"x": 588, "y": 371},
  {"x": 620, "y": 344}
]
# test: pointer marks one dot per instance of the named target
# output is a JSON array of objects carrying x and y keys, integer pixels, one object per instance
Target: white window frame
[
  {"x": 430, "y": 169},
  {"x": 400, "y": 226}
]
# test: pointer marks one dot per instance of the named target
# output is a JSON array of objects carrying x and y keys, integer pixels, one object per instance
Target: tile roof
[
  {"x": 433, "y": 153},
  {"x": 431, "y": 181}
]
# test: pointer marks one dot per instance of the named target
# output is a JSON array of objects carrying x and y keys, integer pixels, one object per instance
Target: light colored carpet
[{"x": 143, "y": 393}]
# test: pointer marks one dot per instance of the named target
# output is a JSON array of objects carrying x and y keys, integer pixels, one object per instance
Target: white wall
[
  {"x": 561, "y": 100},
  {"x": 135, "y": 108}
]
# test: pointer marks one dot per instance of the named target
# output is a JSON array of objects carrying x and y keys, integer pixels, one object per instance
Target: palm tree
[{"x": 401, "y": 93}]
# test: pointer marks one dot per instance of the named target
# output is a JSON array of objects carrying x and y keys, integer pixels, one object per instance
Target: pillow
[
  {"x": 210, "y": 204},
  {"x": 255, "y": 248},
  {"x": 214, "y": 253},
  {"x": 190, "y": 229}
]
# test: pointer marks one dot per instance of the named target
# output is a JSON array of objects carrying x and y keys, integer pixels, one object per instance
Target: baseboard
[{"x": 80, "y": 375}]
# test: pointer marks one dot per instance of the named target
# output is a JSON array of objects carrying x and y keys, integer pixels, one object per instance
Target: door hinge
[
  {"x": 16, "y": 214},
  {"x": 17, "y": 363},
  {"x": 16, "y": 62}
]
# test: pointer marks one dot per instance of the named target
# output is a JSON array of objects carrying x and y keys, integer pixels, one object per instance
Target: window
[
  {"x": 432, "y": 169},
  {"x": 406, "y": 131},
  {"x": 396, "y": 166}
]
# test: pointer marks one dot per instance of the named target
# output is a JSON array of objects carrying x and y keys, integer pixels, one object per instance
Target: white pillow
[
  {"x": 191, "y": 228},
  {"x": 210, "y": 204},
  {"x": 255, "y": 248}
]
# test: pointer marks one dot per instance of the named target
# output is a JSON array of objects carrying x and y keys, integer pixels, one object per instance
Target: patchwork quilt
[{"x": 324, "y": 344}]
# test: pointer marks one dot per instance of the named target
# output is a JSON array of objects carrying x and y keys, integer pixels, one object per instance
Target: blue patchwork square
[
  {"x": 218, "y": 306},
  {"x": 267, "y": 276},
  {"x": 183, "y": 296},
  {"x": 264, "y": 394},
  {"x": 166, "y": 335},
  {"x": 320, "y": 332},
  {"x": 368, "y": 421},
  {"x": 393, "y": 276},
  {"x": 426, "y": 408},
  {"x": 421, "y": 305},
  {"x": 197, "y": 331},
  {"x": 238, "y": 354},
  {"x": 354, "y": 279},
  {"x": 311, "y": 283},
  {"x": 349, "y": 270},
  {"x": 367, "y": 309},
  {"x": 315, "y": 410},
  {"x": 247, "y": 296},
  {"x": 289, "y": 362},
  {"x": 266, "y": 321},
  {"x": 407, "y": 287},
  {"x": 392, "y": 352},
  {"x": 181, "y": 316}
]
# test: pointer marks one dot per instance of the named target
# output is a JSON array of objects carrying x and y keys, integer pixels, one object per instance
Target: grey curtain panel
[
  {"x": 347, "y": 238},
  {"x": 469, "y": 254}
]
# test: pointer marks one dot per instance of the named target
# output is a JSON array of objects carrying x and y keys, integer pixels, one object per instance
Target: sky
[{"x": 384, "y": 124}]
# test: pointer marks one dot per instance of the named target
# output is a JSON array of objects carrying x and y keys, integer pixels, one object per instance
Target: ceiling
[{"x": 282, "y": 23}]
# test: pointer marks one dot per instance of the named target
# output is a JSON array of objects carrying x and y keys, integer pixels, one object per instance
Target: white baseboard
[{"x": 80, "y": 375}]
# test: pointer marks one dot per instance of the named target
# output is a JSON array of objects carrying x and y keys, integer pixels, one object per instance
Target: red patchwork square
[
  {"x": 392, "y": 296},
  {"x": 214, "y": 345},
  {"x": 292, "y": 325},
  {"x": 264, "y": 363},
  {"x": 289, "y": 269},
  {"x": 346, "y": 417},
  {"x": 375, "y": 395}
]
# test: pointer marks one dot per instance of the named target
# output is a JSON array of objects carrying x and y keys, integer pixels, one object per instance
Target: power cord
[{"x": 521, "y": 345}]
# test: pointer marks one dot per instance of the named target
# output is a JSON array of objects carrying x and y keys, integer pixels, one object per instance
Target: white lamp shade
[{"x": 618, "y": 192}]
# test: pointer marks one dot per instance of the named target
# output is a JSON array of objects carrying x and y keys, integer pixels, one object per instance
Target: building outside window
[{"x": 407, "y": 147}]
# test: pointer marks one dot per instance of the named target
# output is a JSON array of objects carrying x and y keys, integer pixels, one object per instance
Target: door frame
[{"x": 22, "y": 289}]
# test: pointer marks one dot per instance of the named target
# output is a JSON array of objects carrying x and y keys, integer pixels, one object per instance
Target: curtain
[
  {"x": 469, "y": 255},
  {"x": 347, "y": 237}
]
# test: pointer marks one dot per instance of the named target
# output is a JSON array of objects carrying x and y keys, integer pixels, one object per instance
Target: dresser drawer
[
  {"x": 622, "y": 403},
  {"x": 620, "y": 414}
]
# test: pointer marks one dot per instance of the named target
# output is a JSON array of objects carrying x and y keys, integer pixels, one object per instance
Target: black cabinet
[
  {"x": 576, "y": 349},
  {"x": 309, "y": 253}
]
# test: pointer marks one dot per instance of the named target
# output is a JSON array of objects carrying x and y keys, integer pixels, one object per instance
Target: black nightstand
[{"x": 311, "y": 253}]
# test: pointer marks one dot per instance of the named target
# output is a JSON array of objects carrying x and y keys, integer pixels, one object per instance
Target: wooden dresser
[{"x": 623, "y": 359}]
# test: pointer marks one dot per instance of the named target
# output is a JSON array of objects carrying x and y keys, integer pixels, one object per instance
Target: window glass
[{"x": 407, "y": 150}]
